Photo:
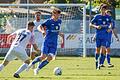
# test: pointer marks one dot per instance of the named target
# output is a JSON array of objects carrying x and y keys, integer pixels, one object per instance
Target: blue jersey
[
  {"x": 52, "y": 31},
  {"x": 113, "y": 27},
  {"x": 110, "y": 34},
  {"x": 101, "y": 34},
  {"x": 104, "y": 22}
]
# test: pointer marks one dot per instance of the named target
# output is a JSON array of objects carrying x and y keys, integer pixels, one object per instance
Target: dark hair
[
  {"x": 56, "y": 10},
  {"x": 109, "y": 11},
  {"x": 31, "y": 24},
  {"x": 38, "y": 12},
  {"x": 103, "y": 6}
]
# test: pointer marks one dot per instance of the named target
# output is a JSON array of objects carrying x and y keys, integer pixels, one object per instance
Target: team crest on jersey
[
  {"x": 104, "y": 22},
  {"x": 107, "y": 19},
  {"x": 100, "y": 19},
  {"x": 56, "y": 27}
]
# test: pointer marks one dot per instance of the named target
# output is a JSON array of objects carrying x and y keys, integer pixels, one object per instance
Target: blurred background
[{"x": 15, "y": 17}]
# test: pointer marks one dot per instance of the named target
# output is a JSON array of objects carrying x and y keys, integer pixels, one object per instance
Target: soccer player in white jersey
[
  {"x": 17, "y": 49},
  {"x": 38, "y": 34}
]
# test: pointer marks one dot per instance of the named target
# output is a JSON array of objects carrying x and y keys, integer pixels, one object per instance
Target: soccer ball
[{"x": 57, "y": 71}]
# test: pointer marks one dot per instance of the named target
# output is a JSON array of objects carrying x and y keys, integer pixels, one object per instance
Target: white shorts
[
  {"x": 16, "y": 52},
  {"x": 38, "y": 39}
]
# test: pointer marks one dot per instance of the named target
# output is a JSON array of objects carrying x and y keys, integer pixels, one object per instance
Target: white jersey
[
  {"x": 36, "y": 24},
  {"x": 38, "y": 36},
  {"x": 23, "y": 37}
]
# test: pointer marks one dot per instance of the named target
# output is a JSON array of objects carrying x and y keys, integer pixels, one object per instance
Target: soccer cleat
[
  {"x": 101, "y": 65},
  {"x": 16, "y": 75},
  {"x": 98, "y": 68},
  {"x": 29, "y": 66},
  {"x": 36, "y": 71},
  {"x": 110, "y": 65}
]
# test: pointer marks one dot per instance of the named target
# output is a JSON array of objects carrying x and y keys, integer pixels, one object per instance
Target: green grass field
[{"x": 74, "y": 68}]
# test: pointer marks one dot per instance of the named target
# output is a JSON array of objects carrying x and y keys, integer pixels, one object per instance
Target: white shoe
[
  {"x": 29, "y": 66},
  {"x": 36, "y": 71}
]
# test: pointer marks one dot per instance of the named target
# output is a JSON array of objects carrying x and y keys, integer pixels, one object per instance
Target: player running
[
  {"x": 49, "y": 46},
  {"x": 113, "y": 30},
  {"x": 17, "y": 49},
  {"x": 38, "y": 35},
  {"x": 101, "y": 22}
]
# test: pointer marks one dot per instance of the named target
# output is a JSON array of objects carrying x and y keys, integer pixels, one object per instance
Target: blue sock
[
  {"x": 42, "y": 64},
  {"x": 108, "y": 58},
  {"x": 37, "y": 59},
  {"x": 97, "y": 59}
]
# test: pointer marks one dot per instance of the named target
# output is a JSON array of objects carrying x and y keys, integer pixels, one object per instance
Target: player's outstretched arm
[
  {"x": 42, "y": 30},
  {"x": 115, "y": 34},
  {"x": 94, "y": 26},
  {"x": 94, "y": 37}
]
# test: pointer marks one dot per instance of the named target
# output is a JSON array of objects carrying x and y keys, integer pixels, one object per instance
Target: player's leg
[
  {"x": 103, "y": 51},
  {"x": 50, "y": 57},
  {"x": 97, "y": 53},
  {"x": 36, "y": 60},
  {"x": 24, "y": 57},
  {"x": 43, "y": 64},
  {"x": 103, "y": 55},
  {"x": 32, "y": 55},
  {"x": 9, "y": 57},
  {"x": 21, "y": 68},
  {"x": 108, "y": 58}
]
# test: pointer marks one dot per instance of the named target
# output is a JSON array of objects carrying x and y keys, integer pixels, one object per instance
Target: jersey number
[{"x": 21, "y": 37}]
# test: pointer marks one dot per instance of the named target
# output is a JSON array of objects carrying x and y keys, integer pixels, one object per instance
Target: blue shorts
[
  {"x": 108, "y": 43},
  {"x": 49, "y": 48},
  {"x": 100, "y": 42}
]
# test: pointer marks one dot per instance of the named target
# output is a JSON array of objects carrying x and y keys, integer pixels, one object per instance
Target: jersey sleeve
[
  {"x": 113, "y": 23},
  {"x": 94, "y": 20},
  {"x": 46, "y": 23}
]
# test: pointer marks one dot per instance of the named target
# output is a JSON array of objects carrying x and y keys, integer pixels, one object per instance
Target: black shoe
[
  {"x": 16, "y": 75},
  {"x": 110, "y": 65},
  {"x": 101, "y": 65}
]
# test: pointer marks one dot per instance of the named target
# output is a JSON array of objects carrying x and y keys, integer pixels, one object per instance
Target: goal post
[{"x": 73, "y": 21}]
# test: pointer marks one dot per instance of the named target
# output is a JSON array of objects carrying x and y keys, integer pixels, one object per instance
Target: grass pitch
[{"x": 73, "y": 68}]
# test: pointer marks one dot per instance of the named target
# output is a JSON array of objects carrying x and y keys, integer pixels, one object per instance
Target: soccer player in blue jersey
[
  {"x": 101, "y": 22},
  {"x": 108, "y": 12},
  {"x": 51, "y": 29}
]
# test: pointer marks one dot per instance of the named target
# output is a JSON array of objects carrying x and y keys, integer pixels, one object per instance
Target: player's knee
[
  {"x": 103, "y": 49},
  {"x": 97, "y": 50},
  {"x": 27, "y": 62},
  {"x": 43, "y": 56},
  {"x": 49, "y": 58},
  {"x": 108, "y": 50}
]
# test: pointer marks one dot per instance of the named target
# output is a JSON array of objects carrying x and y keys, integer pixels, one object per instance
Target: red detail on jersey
[{"x": 3, "y": 41}]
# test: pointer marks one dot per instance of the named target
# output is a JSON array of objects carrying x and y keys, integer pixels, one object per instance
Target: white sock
[
  {"x": 21, "y": 68},
  {"x": 1, "y": 67}
]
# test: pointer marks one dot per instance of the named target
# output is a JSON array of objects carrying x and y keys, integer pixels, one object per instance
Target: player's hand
[
  {"x": 93, "y": 39},
  {"x": 117, "y": 39},
  {"x": 44, "y": 34},
  {"x": 98, "y": 27},
  {"x": 108, "y": 30}
]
